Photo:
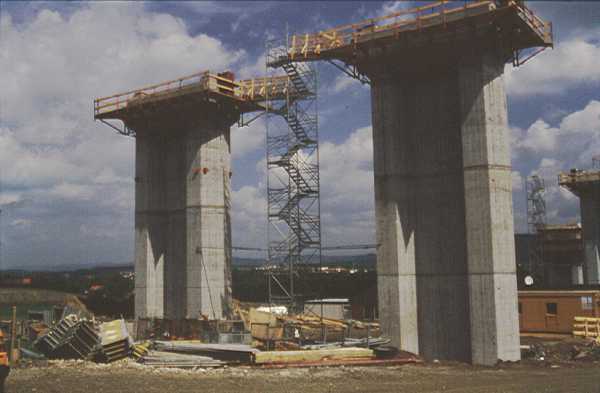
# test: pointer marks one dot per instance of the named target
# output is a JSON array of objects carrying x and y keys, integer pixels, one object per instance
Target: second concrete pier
[{"x": 446, "y": 264}]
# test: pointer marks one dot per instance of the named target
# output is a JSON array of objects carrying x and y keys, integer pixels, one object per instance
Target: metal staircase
[{"x": 292, "y": 180}]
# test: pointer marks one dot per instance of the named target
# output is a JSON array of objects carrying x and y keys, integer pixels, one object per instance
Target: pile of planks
[
  {"x": 311, "y": 327},
  {"x": 284, "y": 357},
  {"x": 587, "y": 327}
]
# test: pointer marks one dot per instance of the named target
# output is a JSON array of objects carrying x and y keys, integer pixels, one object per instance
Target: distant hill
[{"x": 363, "y": 260}]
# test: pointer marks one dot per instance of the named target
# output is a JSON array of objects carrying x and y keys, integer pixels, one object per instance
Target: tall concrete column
[
  {"x": 445, "y": 263},
  {"x": 150, "y": 220},
  {"x": 183, "y": 235},
  {"x": 590, "y": 222},
  {"x": 419, "y": 200},
  {"x": 488, "y": 209}
]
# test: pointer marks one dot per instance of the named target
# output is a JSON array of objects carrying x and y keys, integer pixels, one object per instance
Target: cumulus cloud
[
  {"x": 347, "y": 198},
  {"x": 74, "y": 173},
  {"x": 574, "y": 141},
  {"x": 344, "y": 83},
  {"x": 347, "y": 201},
  {"x": 247, "y": 139},
  {"x": 571, "y": 64},
  {"x": 546, "y": 150}
]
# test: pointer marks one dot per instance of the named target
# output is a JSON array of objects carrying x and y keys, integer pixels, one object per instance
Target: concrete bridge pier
[
  {"x": 446, "y": 263},
  {"x": 590, "y": 221},
  {"x": 182, "y": 215},
  {"x": 586, "y": 185}
]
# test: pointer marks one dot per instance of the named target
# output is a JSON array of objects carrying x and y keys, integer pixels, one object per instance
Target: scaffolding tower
[
  {"x": 294, "y": 233},
  {"x": 596, "y": 162},
  {"x": 536, "y": 220}
]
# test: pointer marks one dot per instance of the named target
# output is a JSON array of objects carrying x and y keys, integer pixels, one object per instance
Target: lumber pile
[
  {"x": 586, "y": 327},
  {"x": 282, "y": 357},
  {"x": 271, "y": 327}
]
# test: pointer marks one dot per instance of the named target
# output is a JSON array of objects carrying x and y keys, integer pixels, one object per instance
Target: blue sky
[{"x": 67, "y": 182}]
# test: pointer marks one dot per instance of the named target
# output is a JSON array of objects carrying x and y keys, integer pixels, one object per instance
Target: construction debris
[
  {"x": 367, "y": 342},
  {"x": 71, "y": 338},
  {"x": 140, "y": 350},
  {"x": 76, "y": 337},
  {"x": 115, "y": 341},
  {"x": 589, "y": 352}
]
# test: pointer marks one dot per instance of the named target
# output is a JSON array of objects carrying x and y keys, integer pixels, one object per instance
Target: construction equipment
[{"x": 4, "y": 366}]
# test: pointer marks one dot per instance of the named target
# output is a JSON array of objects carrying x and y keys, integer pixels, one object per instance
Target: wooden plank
[
  {"x": 586, "y": 319},
  {"x": 279, "y": 357},
  {"x": 583, "y": 334}
]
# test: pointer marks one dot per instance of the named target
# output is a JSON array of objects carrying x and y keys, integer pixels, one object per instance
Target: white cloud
[
  {"x": 347, "y": 199},
  {"x": 574, "y": 141},
  {"x": 571, "y": 64},
  {"x": 73, "y": 172},
  {"x": 546, "y": 151},
  {"x": 347, "y": 189},
  {"x": 539, "y": 137},
  {"x": 390, "y": 7},
  {"x": 247, "y": 139},
  {"x": 343, "y": 82}
]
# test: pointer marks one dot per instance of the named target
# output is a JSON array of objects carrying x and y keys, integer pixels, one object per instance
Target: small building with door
[{"x": 553, "y": 311}]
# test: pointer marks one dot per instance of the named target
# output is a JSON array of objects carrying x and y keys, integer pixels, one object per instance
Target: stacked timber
[
  {"x": 312, "y": 327},
  {"x": 283, "y": 357}
]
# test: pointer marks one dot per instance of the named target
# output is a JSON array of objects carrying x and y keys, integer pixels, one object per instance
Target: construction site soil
[{"x": 126, "y": 376}]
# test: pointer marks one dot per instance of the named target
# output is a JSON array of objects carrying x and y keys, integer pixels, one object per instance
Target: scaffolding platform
[{"x": 578, "y": 180}]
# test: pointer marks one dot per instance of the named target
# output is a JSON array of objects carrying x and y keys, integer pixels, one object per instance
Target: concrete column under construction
[
  {"x": 182, "y": 215},
  {"x": 590, "y": 222},
  {"x": 586, "y": 185},
  {"x": 446, "y": 263}
]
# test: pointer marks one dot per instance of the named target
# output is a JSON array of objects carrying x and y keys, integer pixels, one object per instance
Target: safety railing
[
  {"x": 261, "y": 89},
  {"x": 250, "y": 90},
  {"x": 565, "y": 179},
  {"x": 542, "y": 28},
  {"x": 311, "y": 45},
  {"x": 202, "y": 81}
]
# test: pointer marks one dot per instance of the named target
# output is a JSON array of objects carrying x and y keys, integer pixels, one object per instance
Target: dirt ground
[{"x": 526, "y": 377}]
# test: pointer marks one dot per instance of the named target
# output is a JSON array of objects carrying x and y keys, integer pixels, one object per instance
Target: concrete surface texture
[
  {"x": 446, "y": 262},
  {"x": 590, "y": 222},
  {"x": 182, "y": 218}
]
